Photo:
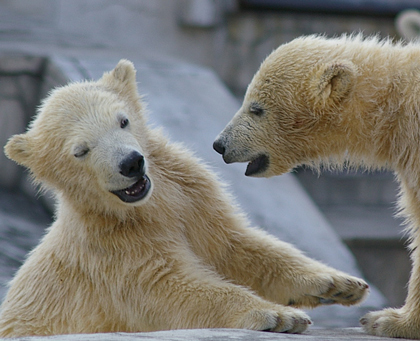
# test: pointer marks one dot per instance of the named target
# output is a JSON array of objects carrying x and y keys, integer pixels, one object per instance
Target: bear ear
[
  {"x": 122, "y": 78},
  {"x": 124, "y": 72},
  {"x": 333, "y": 83},
  {"x": 18, "y": 149}
]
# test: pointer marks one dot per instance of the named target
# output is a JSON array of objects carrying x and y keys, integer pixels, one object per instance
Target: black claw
[{"x": 326, "y": 301}]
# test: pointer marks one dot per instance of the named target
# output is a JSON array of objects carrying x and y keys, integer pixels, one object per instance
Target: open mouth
[
  {"x": 135, "y": 192},
  {"x": 257, "y": 166}
]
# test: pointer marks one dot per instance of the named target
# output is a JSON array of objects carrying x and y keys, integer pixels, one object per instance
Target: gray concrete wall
[
  {"x": 20, "y": 81},
  {"x": 214, "y": 33}
]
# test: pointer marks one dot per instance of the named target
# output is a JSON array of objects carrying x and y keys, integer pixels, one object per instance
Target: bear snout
[
  {"x": 132, "y": 165},
  {"x": 227, "y": 153},
  {"x": 219, "y": 146}
]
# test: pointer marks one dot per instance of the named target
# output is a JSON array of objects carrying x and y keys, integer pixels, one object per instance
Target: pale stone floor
[{"x": 346, "y": 334}]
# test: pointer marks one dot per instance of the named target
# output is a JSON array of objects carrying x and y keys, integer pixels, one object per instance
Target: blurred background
[
  {"x": 230, "y": 36},
  {"x": 195, "y": 59}
]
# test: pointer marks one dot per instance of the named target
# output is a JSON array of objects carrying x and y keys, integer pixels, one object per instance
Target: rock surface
[
  {"x": 22, "y": 224},
  {"x": 344, "y": 334}
]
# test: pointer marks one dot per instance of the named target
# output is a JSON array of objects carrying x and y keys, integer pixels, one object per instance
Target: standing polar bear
[
  {"x": 318, "y": 101},
  {"x": 145, "y": 238}
]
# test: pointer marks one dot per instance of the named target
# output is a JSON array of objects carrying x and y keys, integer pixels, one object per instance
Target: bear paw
[
  {"x": 280, "y": 319},
  {"x": 398, "y": 323},
  {"x": 345, "y": 290},
  {"x": 332, "y": 289}
]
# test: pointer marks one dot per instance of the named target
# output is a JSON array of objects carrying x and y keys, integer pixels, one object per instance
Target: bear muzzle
[
  {"x": 256, "y": 166},
  {"x": 133, "y": 166},
  {"x": 220, "y": 147}
]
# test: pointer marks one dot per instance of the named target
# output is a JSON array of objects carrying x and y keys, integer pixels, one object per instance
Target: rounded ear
[
  {"x": 122, "y": 78},
  {"x": 124, "y": 72},
  {"x": 18, "y": 149},
  {"x": 333, "y": 82}
]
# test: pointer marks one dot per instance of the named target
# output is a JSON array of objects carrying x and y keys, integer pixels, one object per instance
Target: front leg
[
  {"x": 188, "y": 296},
  {"x": 405, "y": 321},
  {"x": 280, "y": 273}
]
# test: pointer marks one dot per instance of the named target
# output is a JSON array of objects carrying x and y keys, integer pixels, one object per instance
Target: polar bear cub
[
  {"x": 145, "y": 238},
  {"x": 348, "y": 100}
]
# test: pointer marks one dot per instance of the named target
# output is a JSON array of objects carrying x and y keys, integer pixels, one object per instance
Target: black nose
[
  {"x": 219, "y": 147},
  {"x": 132, "y": 165}
]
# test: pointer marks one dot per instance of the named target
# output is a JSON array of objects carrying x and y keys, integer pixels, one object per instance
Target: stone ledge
[{"x": 346, "y": 334}]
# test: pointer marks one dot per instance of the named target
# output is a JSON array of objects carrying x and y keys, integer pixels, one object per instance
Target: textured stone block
[
  {"x": 8, "y": 87},
  {"x": 21, "y": 64},
  {"x": 12, "y": 121}
]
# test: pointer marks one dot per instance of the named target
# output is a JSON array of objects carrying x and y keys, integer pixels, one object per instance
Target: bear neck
[
  {"x": 379, "y": 122},
  {"x": 100, "y": 217}
]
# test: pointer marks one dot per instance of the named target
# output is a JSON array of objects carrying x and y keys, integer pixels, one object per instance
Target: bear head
[
  {"x": 88, "y": 142},
  {"x": 290, "y": 101}
]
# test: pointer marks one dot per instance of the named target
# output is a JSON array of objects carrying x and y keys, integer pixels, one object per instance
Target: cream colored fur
[
  {"x": 346, "y": 101},
  {"x": 182, "y": 257}
]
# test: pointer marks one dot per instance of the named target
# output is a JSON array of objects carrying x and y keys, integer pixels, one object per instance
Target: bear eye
[
  {"x": 256, "y": 109},
  {"x": 81, "y": 151},
  {"x": 124, "y": 123}
]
